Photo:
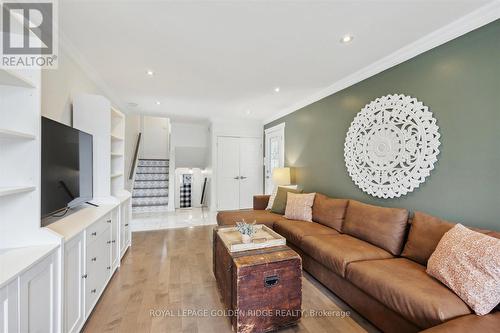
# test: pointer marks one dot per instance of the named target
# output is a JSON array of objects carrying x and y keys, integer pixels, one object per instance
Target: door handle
[
  {"x": 243, "y": 177},
  {"x": 236, "y": 177}
]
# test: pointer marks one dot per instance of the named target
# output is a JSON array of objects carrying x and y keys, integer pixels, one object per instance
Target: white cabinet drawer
[
  {"x": 96, "y": 229},
  {"x": 98, "y": 267}
]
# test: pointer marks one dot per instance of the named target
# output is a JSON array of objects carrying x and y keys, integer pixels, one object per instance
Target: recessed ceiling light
[
  {"x": 346, "y": 39},
  {"x": 150, "y": 72},
  {"x": 248, "y": 112},
  {"x": 277, "y": 89},
  {"x": 158, "y": 103}
]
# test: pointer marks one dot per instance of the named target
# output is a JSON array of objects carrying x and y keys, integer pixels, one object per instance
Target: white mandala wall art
[{"x": 391, "y": 146}]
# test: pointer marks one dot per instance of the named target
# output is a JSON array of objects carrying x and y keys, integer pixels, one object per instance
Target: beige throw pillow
[
  {"x": 273, "y": 195},
  {"x": 468, "y": 262},
  {"x": 299, "y": 206}
]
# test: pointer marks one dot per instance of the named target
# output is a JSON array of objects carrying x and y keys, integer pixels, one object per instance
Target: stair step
[
  {"x": 153, "y": 159},
  {"x": 151, "y": 173},
  {"x": 151, "y": 184},
  {"x": 153, "y": 200},
  {"x": 152, "y": 169},
  {"x": 153, "y": 163},
  {"x": 149, "y": 192},
  {"x": 149, "y": 209},
  {"x": 149, "y": 177}
]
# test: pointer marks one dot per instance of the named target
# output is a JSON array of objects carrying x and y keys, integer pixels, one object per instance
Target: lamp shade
[{"x": 281, "y": 176}]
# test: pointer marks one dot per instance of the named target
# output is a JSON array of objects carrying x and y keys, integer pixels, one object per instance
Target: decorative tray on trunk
[{"x": 264, "y": 237}]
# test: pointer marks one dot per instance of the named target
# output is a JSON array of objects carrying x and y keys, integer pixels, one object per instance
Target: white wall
[
  {"x": 222, "y": 127},
  {"x": 155, "y": 137},
  {"x": 60, "y": 85},
  {"x": 191, "y": 157},
  {"x": 132, "y": 129},
  {"x": 189, "y": 148},
  {"x": 189, "y": 134},
  {"x": 197, "y": 180}
]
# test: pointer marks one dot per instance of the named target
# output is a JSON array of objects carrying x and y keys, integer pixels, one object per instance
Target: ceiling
[{"x": 225, "y": 59}]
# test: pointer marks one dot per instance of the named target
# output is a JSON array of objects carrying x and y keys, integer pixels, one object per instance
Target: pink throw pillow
[
  {"x": 468, "y": 262},
  {"x": 299, "y": 206}
]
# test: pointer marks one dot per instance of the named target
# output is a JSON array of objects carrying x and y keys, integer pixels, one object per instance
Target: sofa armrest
[
  {"x": 469, "y": 323},
  {"x": 260, "y": 202}
]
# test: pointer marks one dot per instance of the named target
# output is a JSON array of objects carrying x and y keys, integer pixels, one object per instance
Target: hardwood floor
[{"x": 171, "y": 271}]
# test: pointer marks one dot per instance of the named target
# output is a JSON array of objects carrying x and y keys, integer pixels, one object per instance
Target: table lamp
[{"x": 281, "y": 176}]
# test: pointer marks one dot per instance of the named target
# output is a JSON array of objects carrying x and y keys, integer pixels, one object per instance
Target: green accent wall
[{"x": 460, "y": 83}]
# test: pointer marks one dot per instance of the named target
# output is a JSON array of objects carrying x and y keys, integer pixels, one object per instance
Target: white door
[
  {"x": 228, "y": 173},
  {"x": 239, "y": 172},
  {"x": 38, "y": 297},
  {"x": 250, "y": 171},
  {"x": 74, "y": 284},
  {"x": 275, "y": 153}
]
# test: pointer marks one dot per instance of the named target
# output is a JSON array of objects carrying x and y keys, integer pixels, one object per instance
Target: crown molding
[
  {"x": 476, "y": 19},
  {"x": 67, "y": 46}
]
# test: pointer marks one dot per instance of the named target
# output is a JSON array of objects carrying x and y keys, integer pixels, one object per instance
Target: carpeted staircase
[{"x": 150, "y": 192}]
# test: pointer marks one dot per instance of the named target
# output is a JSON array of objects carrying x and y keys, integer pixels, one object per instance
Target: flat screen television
[{"x": 66, "y": 179}]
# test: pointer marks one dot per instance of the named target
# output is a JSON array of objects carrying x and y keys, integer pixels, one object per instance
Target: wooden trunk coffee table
[{"x": 261, "y": 289}]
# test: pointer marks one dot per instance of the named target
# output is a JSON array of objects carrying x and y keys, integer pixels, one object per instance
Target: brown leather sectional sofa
[{"x": 374, "y": 258}]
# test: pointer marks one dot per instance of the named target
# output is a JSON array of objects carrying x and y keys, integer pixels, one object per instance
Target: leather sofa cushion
[
  {"x": 329, "y": 211},
  {"x": 381, "y": 226},
  {"x": 336, "y": 252},
  {"x": 489, "y": 323},
  {"x": 403, "y": 286},
  {"x": 425, "y": 233},
  {"x": 260, "y": 201},
  {"x": 294, "y": 230},
  {"x": 230, "y": 217}
]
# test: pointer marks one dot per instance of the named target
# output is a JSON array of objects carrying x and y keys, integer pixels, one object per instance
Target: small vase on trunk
[{"x": 246, "y": 239}]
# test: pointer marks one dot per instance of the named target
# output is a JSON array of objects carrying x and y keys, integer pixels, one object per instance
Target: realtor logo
[{"x": 29, "y": 38}]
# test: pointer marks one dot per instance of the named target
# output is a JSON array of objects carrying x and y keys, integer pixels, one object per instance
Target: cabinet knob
[
  {"x": 93, "y": 291},
  {"x": 113, "y": 241},
  {"x": 109, "y": 267},
  {"x": 126, "y": 224},
  {"x": 94, "y": 233},
  {"x": 84, "y": 276},
  {"x": 109, "y": 242},
  {"x": 94, "y": 259},
  {"x": 109, "y": 221}
]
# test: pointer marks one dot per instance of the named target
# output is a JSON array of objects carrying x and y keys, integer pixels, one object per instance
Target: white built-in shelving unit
[
  {"x": 20, "y": 160},
  {"x": 117, "y": 152}
]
